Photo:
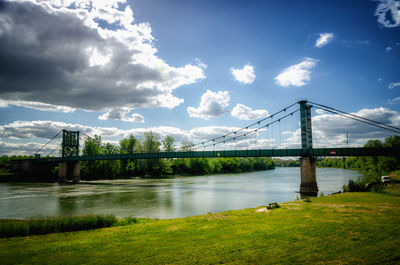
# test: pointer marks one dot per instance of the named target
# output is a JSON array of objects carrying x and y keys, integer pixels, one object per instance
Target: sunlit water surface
[{"x": 163, "y": 198}]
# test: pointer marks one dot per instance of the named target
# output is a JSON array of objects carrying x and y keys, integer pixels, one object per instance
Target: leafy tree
[
  {"x": 168, "y": 144},
  {"x": 127, "y": 145}
]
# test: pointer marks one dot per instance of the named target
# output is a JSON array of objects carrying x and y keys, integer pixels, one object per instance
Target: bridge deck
[{"x": 385, "y": 151}]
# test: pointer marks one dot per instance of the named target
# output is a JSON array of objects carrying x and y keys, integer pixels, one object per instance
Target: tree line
[
  {"x": 152, "y": 168},
  {"x": 371, "y": 167}
]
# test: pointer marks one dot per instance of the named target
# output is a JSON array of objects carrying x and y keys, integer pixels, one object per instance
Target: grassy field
[{"x": 346, "y": 228}]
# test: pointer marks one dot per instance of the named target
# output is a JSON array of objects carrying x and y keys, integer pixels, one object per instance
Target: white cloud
[
  {"x": 25, "y": 137},
  {"x": 388, "y": 13},
  {"x": 7, "y": 148},
  {"x": 35, "y": 105},
  {"x": 296, "y": 75},
  {"x": 324, "y": 38},
  {"x": 379, "y": 79},
  {"x": 79, "y": 63},
  {"x": 393, "y": 85},
  {"x": 394, "y": 101},
  {"x": 122, "y": 114},
  {"x": 388, "y": 49},
  {"x": 243, "y": 112},
  {"x": 329, "y": 129},
  {"x": 211, "y": 105},
  {"x": 245, "y": 75}
]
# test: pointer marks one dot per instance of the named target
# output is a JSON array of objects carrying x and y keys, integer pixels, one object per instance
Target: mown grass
[{"x": 350, "y": 228}]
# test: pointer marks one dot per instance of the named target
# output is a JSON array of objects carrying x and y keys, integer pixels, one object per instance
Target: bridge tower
[
  {"x": 307, "y": 162},
  {"x": 69, "y": 147}
]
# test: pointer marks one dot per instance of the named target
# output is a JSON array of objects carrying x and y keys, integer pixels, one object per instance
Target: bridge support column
[
  {"x": 62, "y": 172},
  {"x": 76, "y": 172},
  {"x": 308, "y": 174}
]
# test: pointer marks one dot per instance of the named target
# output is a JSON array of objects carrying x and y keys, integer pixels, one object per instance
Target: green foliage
[
  {"x": 160, "y": 167},
  {"x": 373, "y": 168},
  {"x": 39, "y": 226},
  {"x": 168, "y": 144},
  {"x": 355, "y": 186}
]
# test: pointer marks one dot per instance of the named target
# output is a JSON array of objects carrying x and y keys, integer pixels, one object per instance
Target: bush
[{"x": 39, "y": 226}]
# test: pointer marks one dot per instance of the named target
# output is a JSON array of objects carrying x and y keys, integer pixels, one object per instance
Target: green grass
[
  {"x": 350, "y": 228},
  {"x": 46, "y": 225}
]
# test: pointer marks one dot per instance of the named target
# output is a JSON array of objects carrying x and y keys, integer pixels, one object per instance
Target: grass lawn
[{"x": 346, "y": 228}]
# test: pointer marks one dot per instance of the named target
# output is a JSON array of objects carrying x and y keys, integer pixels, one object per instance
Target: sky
[{"x": 196, "y": 70}]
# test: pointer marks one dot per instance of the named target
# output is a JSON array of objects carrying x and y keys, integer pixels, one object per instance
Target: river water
[{"x": 163, "y": 198}]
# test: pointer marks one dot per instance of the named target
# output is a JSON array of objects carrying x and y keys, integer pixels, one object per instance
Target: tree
[
  {"x": 110, "y": 168},
  {"x": 151, "y": 144},
  {"x": 90, "y": 148},
  {"x": 168, "y": 144},
  {"x": 127, "y": 145}
]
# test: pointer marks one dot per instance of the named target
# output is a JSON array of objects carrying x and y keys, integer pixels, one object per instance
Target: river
[{"x": 163, "y": 198}]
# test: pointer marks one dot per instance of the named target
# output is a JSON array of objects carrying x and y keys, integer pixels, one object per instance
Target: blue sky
[{"x": 195, "y": 69}]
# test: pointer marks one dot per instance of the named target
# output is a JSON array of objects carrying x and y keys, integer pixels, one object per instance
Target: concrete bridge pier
[
  {"x": 62, "y": 172},
  {"x": 308, "y": 174},
  {"x": 76, "y": 172},
  {"x": 66, "y": 169}
]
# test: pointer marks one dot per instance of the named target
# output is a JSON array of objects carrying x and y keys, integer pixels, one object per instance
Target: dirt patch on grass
[
  {"x": 215, "y": 216},
  {"x": 262, "y": 210},
  {"x": 172, "y": 228}
]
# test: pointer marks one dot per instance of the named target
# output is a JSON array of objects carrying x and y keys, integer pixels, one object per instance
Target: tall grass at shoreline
[{"x": 46, "y": 225}]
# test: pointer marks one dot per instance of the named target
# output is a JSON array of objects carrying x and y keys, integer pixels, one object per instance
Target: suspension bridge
[{"x": 69, "y": 160}]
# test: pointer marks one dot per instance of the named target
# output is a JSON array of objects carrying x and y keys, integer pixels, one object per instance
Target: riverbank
[{"x": 344, "y": 228}]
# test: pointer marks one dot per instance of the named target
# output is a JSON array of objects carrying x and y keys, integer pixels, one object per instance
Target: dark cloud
[{"x": 61, "y": 57}]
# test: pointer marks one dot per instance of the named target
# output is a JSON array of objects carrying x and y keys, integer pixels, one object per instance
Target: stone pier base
[
  {"x": 76, "y": 172},
  {"x": 308, "y": 174},
  {"x": 62, "y": 172},
  {"x": 66, "y": 169}
]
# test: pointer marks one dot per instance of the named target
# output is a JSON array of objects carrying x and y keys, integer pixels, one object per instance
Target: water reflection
[{"x": 163, "y": 198}]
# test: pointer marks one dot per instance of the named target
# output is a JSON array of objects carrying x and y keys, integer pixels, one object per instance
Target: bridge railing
[{"x": 362, "y": 151}]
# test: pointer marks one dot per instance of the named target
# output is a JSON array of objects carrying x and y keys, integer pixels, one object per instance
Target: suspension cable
[
  {"x": 255, "y": 130},
  {"x": 241, "y": 129},
  {"x": 356, "y": 116},
  {"x": 57, "y": 147},
  {"x": 48, "y": 142},
  {"x": 397, "y": 130}
]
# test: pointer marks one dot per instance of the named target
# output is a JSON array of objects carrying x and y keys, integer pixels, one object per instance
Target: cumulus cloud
[
  {"x": 86, "y": 55},
  {"x": 26, "y": 137},
  {"x": 393, "y": 85},
  {"x": 332, "y": 129},
  {"x": 245, "y": 75},
  {"x": 211, "y": 105},
  {"x": 122, "y": 114},
  {"x": 243, "y": 112},
  {"x": 323, "y": 39},
  {"x": 388, "y": 13},
  {"x": 7, "y": 148},
  {"x": 296, "y": 75}
]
